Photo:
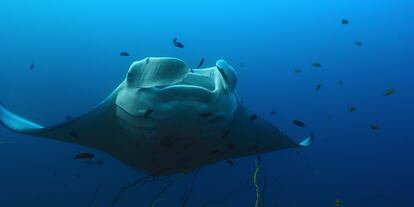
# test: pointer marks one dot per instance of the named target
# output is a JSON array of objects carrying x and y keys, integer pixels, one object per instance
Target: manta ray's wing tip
[
  {"x": 307, "y": 142},
  {"x": 14, "y": 122}
]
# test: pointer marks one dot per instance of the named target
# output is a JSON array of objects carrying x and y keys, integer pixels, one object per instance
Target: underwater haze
[{"x": 342, "y": 70}]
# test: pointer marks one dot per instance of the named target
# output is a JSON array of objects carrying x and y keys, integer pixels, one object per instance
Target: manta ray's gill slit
[
  {"x": 215, "y": 151},
  {"x": 73, "y": 134},
  {"x": 226, "y": 133},
  {"x": 253, "y": 117},
  {"x": 230, "y": 146}
]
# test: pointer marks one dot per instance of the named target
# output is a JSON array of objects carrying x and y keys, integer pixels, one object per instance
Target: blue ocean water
[{"x": 74, "y": 47}]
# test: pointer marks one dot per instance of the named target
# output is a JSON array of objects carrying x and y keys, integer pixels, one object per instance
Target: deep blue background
[{"x": 75, "y": 47}]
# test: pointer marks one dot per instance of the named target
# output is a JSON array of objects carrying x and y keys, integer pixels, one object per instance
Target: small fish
[
  {"x": 201, "y": 63},
  {"x": 345, "y": 21},
  {"x": 374, "y": 127},
  {"x": 318, "y": 87},
  {"x": 338, "y": 203},
  {"x": 316, "y": 65},
  {"x": 358, "y": 43},
  {"x": 273, "y": 112},
  {"x": 148, "y": 112},
  {"x": 340, "y": 82},
  {"x": 230, "y": 163},
  {"x": 206, "y": 114},
  {"x": 297, "y": 70},
  {"x": 178, "y": 44},
  {"x": 125, "y": 54},
  {"x": 226, "y": 133},
  {"x": 73, "y": 134},
  {"x": 298, "y": 123},
  {"x": 253, "y": 117},
  {"x": 83, "y": 156},
  {"x": 389, "y": 92},
  {"x": 32, "y": 66},
  {"x": 351, "y": 109},
  {"x": 230, "y": 146},
  {"x": 5, "y": 142},
  {"x": 329, "y": 117}
]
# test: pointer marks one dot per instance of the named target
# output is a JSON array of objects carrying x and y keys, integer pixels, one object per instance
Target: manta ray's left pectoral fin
[
  {"x": 15, "y": 122},
  {"x": 88, "y": 129}
]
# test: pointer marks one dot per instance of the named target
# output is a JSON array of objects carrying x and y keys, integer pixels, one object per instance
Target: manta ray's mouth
[{"x": 194, "y": 82}]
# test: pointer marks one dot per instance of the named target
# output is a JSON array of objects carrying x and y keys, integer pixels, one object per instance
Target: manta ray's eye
[{"x": 130, "y": 75}]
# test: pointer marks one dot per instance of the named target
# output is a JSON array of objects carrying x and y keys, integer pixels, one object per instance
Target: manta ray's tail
[
  {"x": 307, "y": 142},
  {"x": 14, "y": 122}
]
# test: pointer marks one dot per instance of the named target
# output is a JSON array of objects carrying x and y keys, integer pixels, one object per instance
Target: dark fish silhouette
[
  {"x": 148, "y": 112},
  {"x": 201, "y": 63},
  {"x": 230, "y": 146},
  {"x": 389, "y": 92},
  {"x": 230, "y": 163},
  {"x": 84, "y": 155},
  {"x": 351, "y": 109},
  {"x": 206, "y": 114},
  {"x": 357, "y": 43},
  {"x": 273, "y": 112},
  {"x": 299, "y": 123},
  {"x": 345, "y": 21},
  {"x": 226, "y": 133},
  {"x": 178, "y": 44},
  {"x": 318, "y": 87},
  {"x": 297, "y": 70},
  {"x": 253, "y": 117},
  {"x": 125, "y": 54},
  {"x": 32, "y": 66},
  {"x": 316, "y": 65},
  {"x": 340, "y": 82},
  {"x": 374, "y": 127},
  {"x": 73, "y": 134}
]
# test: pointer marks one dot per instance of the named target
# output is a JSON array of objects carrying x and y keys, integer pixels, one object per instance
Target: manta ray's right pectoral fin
[{"x": 307, "y": 142}]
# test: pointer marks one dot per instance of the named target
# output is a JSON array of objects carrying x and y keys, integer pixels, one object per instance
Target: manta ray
[{"x": 166, "y": 118}]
